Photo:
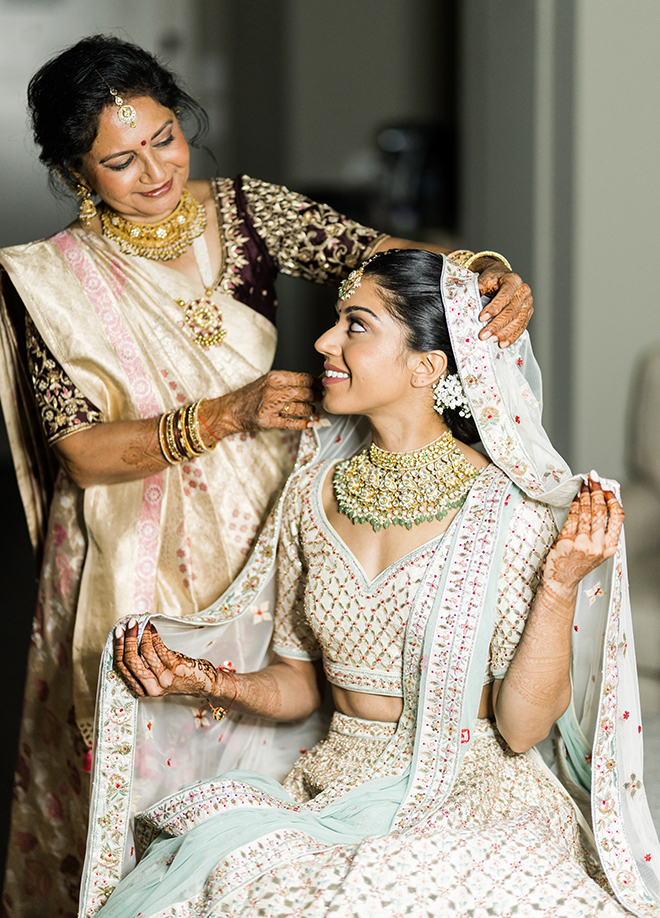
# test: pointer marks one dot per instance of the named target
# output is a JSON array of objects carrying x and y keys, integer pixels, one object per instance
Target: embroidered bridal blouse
[{"x": 328, "y": 607}]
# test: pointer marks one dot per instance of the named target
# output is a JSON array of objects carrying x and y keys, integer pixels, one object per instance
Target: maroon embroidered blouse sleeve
[{"x": 62, "y": 407}]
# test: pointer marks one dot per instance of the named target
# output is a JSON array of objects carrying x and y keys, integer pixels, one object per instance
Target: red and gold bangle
[
  {"x": 202, "y": 421},
  {"x": 220, "y": 713}
]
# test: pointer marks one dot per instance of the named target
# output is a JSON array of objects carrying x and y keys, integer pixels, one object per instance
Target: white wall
[
  {"x": 561, "y": 173},
  {"x": 617, "y": 217}
]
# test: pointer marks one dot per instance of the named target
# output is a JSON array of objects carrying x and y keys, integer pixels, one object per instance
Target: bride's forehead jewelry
[
  {"x": 350, "y": 284},
  {"x": 125, "y": 112}
]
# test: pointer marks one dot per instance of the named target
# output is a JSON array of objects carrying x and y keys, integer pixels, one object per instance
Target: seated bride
[{"x": 454, "y": 625}]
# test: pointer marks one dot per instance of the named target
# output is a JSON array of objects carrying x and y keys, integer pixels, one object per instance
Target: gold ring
[{"x": 287, "y": 408}]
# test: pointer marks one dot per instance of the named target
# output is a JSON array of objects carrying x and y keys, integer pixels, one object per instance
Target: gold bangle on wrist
[
  {"x": 162, "y": 442},
  {"x": 170, "y": 437},
  {"x": 179, "y": 436},
  {"x": 470, "y": 261},
  {"x": 460, "y": 256},
  {"x": 188, "y": 444},
  {"x": 194, "y": 433}
]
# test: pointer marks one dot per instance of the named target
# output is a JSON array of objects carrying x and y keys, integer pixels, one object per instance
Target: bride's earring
[{"x": 448, "y": 393}]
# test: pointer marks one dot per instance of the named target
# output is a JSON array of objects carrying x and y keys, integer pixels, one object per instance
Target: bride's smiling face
[{"x": 368, "y": 364}]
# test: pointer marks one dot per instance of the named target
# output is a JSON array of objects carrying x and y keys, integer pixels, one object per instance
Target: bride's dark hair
[{"x": 409, "y": 283}]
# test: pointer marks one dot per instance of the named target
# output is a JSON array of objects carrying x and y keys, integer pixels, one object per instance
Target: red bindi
[{"x": 143, "y": 143}]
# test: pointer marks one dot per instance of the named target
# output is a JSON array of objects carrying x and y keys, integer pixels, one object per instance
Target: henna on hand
[
  {"x": 142, "y": 450},
  {"x": 510, "y": 309},
  {"x": 589, "y": 537},
  {"x": 260, "y": 694},
  {"x": 280, "y": 399}
]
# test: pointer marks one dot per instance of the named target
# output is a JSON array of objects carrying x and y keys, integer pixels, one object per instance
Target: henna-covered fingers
[
  {"x": 510, "y": 309},
  {"x": 119, "y": 648},
  {"x": 615, "y": 516}
]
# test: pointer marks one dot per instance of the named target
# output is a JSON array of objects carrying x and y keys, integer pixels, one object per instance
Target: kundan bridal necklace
[
  {"x": 403, "y": 489},
  {"x": 161, "y": 241}
]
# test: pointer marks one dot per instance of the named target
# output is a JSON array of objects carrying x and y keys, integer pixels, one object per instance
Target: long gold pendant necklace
[
  {"x": 166, "y": 240},
  {"x": 403, "y": 489}
]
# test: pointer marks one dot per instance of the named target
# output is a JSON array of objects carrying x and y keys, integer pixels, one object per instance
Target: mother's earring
[{"x": 87, "y": 210}]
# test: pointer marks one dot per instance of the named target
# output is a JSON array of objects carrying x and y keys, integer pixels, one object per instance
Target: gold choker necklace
[
  {"x": 161, "y": 241},
  {"x": 403, "y": 489}
]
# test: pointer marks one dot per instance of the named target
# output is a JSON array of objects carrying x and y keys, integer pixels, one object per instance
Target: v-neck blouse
[{"x": 327, "y": 607}]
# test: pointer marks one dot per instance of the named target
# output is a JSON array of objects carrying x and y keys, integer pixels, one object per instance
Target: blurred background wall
[{"x": 526, "y": 126}]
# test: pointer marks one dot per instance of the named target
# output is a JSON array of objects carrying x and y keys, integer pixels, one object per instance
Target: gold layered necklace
[
  {"x": 161, "y": 241},
  {"x": 403, "y": 489}
]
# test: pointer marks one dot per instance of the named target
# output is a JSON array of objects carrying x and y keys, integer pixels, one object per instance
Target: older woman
[{"x": 147, "y": 432}]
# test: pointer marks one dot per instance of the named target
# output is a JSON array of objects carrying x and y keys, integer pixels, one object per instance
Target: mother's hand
[
  {"x": 511, "y": 306},
  {"x": 279, "y": 399},
  {"x": 590, "y": 536},
  {"x": 153, "y": 669}
]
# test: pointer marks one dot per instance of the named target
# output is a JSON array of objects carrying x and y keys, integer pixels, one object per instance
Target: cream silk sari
[{"x": 172, "y": 542}]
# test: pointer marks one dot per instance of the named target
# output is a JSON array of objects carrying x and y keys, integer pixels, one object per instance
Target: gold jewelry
[
  {"x": 287, "y": 408},
  {"x": 192, "y": 426},
  {"x": 87, "y": 210},
  {"x": 204, "y": 320},
  {"x": 470, "y": 261},
  {"x": 179, "y": 436},
  {"x": 190, "y": 450},
  {"x": 220, "y": 713},
  {"x": 170, "y": 439},
  {"x": 161, "y": 241},
  {"x": 126, "y": 113},
  {"x": 162, "y": 440},
  {"x": 350, "y": 284},
  {"x": 403, "y": 489},
  {"x": 460, "y": 256}
]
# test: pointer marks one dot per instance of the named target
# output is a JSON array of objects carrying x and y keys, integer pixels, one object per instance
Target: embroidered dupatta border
[{"x": 115, "y": 729}]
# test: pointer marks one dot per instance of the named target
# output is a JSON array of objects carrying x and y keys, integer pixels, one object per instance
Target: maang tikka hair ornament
[
  {"x": 126, "y": 113},
  {"x": 448, "y": 393},
  {"x": 351, "y": 283}
]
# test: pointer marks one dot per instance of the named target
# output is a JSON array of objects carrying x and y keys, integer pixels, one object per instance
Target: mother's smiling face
[{"x": 139, "y": 171}]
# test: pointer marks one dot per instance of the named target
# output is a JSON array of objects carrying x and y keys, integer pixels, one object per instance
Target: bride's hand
[
  {"x": 153, "y": 669},
  {"x": 590, "y": 536}
]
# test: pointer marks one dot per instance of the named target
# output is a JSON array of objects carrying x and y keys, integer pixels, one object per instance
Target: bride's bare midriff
[{"x": 387, "y": 708}]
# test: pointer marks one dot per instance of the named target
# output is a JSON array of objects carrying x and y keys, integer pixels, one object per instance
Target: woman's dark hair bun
[
  {"x": 67, "y": 95},
  {"x": 410, "y": 283}
]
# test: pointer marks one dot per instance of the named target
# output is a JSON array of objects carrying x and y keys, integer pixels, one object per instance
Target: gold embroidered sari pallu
[{"x": 173, "y": 541}]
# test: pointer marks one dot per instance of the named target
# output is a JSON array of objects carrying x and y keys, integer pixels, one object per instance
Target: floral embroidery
[{"x": 62, "y": 406}]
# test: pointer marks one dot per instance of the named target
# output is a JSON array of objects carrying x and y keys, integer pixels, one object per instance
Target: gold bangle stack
[
  {"x": 466, "y": 258},
  {"x": 179, "y": 435}
]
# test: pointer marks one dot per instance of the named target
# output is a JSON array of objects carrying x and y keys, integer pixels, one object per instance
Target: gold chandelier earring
[{"x": 87, "y": 210}]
